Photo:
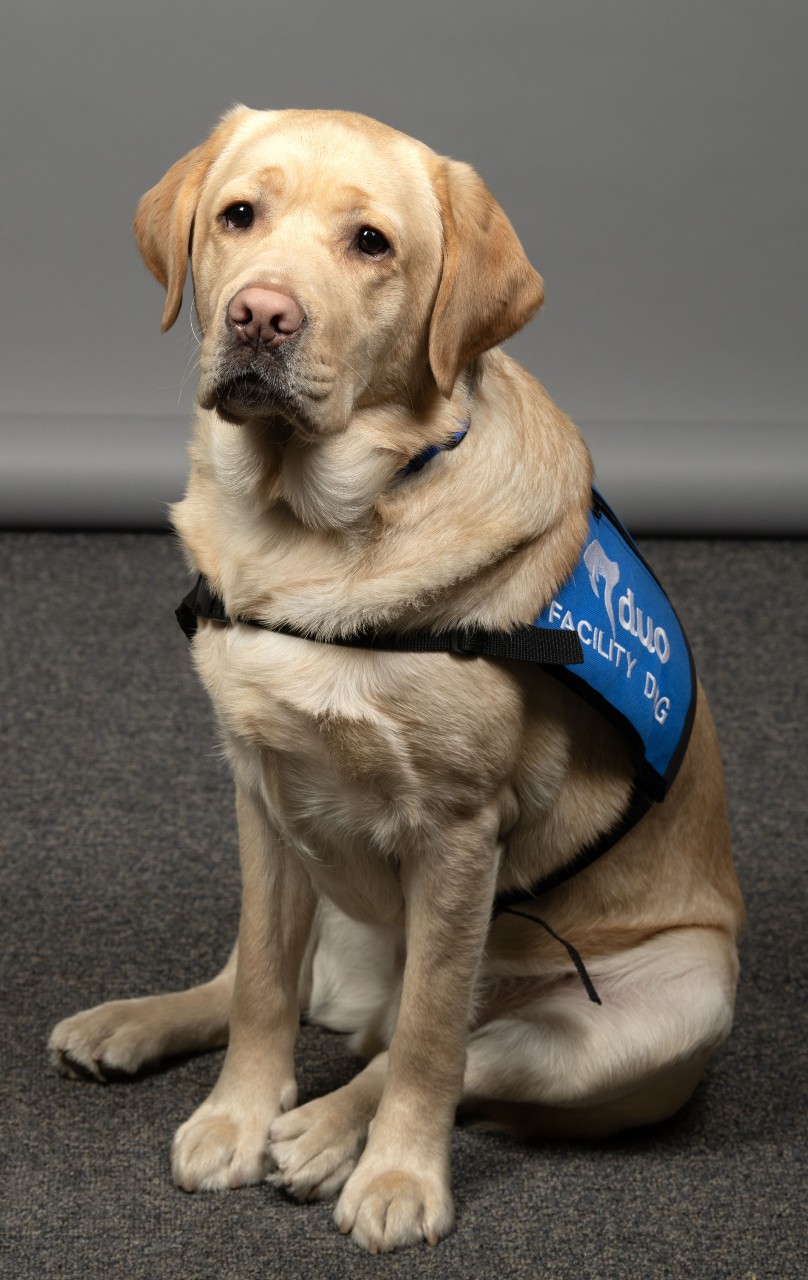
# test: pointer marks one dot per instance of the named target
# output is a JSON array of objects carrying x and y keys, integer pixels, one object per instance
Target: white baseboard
[
  {"x": 662, "y": 478},
  {"x": 90, "y": 472},
  {"x": 713, "y": 478}
]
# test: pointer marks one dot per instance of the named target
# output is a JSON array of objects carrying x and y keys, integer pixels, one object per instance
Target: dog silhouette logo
[{"x": 600, "y": 566}]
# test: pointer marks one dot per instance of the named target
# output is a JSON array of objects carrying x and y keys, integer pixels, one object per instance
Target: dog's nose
[{"x": 264, "y": 316}]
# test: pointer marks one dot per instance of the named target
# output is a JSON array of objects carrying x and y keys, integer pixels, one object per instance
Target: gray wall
[{"x": 652, "y": 156}]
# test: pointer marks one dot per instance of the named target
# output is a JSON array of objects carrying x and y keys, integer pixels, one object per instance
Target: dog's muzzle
[{"x": 254, "y": 369}]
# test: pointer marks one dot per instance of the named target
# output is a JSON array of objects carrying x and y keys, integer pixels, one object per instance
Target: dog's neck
[
  {"x": 333, "y": 482},
  {"x": 295, "y": 532}
]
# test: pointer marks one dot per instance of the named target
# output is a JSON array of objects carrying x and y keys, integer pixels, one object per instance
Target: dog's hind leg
[
  {"x": 122, "y": 1036},
  {"x": 561, "y": 1066},
  {"x": 554, "y": 1065}
]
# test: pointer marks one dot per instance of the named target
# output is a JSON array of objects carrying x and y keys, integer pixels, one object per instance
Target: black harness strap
[
  {"x": 638, "y": 805},
  {"x": 524, "y": 644}
]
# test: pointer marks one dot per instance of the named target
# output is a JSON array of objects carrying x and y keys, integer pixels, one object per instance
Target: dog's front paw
[
  {"x": 118, "y": 1037},
  {"x": 315, "y": 1147},
  {"x": 388, "y": 1208},
  {"x": 222, "y": 1147}
]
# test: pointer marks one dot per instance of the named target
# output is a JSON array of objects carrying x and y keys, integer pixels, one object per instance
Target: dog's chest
[{"x": 355, "y": 752}]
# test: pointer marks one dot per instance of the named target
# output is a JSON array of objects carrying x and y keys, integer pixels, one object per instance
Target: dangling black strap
[
  {"x": 589, "y": 986},
  {"x": 639, "y": 804},
  {"x": 524, "y": 644}
]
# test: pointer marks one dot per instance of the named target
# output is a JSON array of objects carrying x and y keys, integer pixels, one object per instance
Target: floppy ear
[
  {"x": 165, "y": 217},
  {"x": 488, "y": 289}
]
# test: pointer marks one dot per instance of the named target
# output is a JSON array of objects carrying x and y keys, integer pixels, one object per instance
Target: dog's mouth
[{"x": 252, "y": 388}]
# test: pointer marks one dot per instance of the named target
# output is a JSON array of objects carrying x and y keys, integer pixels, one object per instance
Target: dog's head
[{"x": 336, "y": 264}]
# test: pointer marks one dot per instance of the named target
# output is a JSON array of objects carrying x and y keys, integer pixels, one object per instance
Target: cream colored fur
[{"x": 383, "y": 799}]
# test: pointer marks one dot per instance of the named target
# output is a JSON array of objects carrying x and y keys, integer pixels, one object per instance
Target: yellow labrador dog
[{"x": 352, "y": 287}]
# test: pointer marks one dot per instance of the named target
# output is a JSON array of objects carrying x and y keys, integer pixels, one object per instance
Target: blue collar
[
  {"x": 432, "y": 450},
  {"x": 426, "y": 455}
]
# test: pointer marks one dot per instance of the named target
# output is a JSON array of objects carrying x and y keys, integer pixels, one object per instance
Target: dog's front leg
[
  {"x": 224, "y": 1143},
  {"x": 399, "y": 1192}
]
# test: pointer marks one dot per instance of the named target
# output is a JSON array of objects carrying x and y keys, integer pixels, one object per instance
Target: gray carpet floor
[{"x": 119, "y": 877}]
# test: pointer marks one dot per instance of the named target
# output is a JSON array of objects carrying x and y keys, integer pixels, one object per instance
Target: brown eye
[
  {"x": 239, "y": 216},
  {"x": 372, "y": 242}
]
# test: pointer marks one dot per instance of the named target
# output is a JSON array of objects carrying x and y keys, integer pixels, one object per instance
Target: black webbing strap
[
  {"x": 524, "y": 644},
  {"x": 638, "y": 805}
]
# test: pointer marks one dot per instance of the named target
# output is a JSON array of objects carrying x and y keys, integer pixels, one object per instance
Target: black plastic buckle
[
  {"x": 208, "y": 604},
  {"x": 461, "y": 643}
]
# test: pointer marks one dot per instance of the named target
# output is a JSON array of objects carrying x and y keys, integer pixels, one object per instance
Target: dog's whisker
[
  {"x": 193, "y": 328},
  {"x": 191, "y": 367}
]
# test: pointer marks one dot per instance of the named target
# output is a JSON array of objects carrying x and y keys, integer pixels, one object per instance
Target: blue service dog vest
[{"x": 637, "y": 669}]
